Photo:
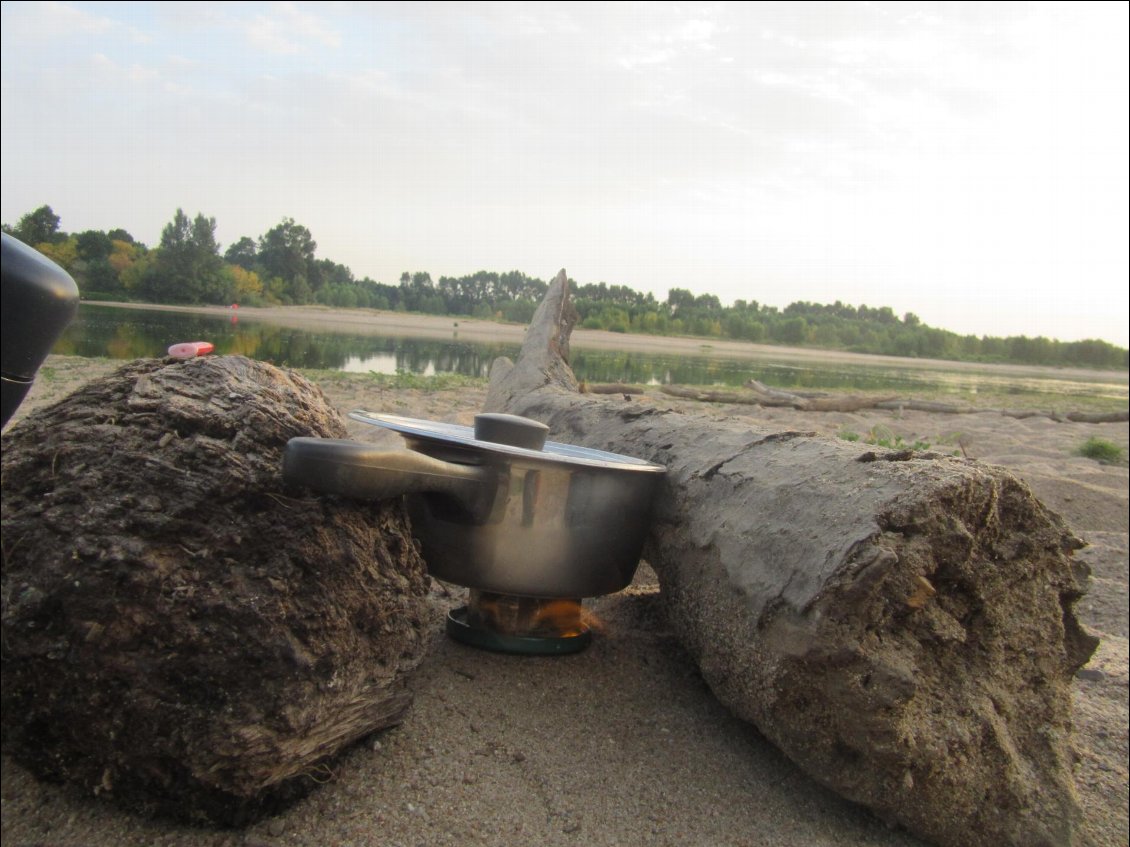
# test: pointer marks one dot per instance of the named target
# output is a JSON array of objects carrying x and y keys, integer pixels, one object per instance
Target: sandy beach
[{"x": 623, "y": 744}]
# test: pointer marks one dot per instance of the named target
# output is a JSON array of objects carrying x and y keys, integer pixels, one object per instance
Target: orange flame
[
  {"x": 554, "y": 618},
  {"x": 566, "y": 618}
]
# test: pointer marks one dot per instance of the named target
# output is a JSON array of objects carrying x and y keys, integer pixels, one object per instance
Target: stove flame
[
  {"x": 530, "y": 616},
  {"x": 567, "y": 618}
]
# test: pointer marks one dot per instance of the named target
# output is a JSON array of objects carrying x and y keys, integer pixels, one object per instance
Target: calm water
[{"x": 135, "y": 333}]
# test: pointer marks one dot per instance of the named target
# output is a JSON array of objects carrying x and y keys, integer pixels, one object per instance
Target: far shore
[{"x": 412, "y": 325}]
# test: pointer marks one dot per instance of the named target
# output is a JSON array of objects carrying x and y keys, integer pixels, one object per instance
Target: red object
[{"x": 189, "y": 349}]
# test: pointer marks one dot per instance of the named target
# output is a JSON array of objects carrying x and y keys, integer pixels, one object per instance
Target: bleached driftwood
[
  {"x": 759, "y": 394},
  {"x": 705, "y": 395},
  {"x": 610, "y": 388},
  {"x": 926, "y": 406},
  {"x": 902, "y": 628}
]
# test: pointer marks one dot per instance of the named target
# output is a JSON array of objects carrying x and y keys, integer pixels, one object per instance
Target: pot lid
[{"x": 458, "y": 435}]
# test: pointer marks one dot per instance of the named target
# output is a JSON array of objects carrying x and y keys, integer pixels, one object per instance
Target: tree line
[{"x": 280, "y": 268}]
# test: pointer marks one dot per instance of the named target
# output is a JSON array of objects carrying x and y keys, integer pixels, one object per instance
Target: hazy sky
[{"x": 966, "y": 162}]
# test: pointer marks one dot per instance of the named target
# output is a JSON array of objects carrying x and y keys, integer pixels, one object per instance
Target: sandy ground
[{"x": 623, "y": 744}]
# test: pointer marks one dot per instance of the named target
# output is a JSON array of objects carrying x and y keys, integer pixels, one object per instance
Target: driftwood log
[
  {"x": 829, "y": 403},
  {"x": 901, "y": 625},
  {"x": 180, "y": 633},
  {"x": 759, "y": 394},
  {"x": 610, "y": 388},
  {"x": 706, "y": 395}
]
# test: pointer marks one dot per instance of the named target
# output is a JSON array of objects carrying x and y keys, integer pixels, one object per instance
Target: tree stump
[
  {"x": 901, "y": 625},
  {"x": 180, "y": 633}
]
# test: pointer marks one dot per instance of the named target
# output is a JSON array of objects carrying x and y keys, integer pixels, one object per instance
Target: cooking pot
[{"x": 497, "y": 507}]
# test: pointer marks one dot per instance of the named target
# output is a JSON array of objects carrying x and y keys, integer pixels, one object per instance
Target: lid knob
[{"x": 513, "y": 430}]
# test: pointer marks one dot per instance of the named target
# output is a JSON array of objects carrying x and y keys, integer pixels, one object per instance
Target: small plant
[
  {"x": 958, "y": 439},
  {"x": 882, "y": 436},
  {"x": 1102, "y": 451},
  {"x": 848, "y": 435}
]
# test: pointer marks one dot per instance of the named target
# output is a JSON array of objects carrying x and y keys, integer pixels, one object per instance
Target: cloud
[
  {"x": 289, "y": 31},
  {"x": 50, "y": 21},
  {"x": 662, "y": 45},
  {"x": 64, "y": 20}
]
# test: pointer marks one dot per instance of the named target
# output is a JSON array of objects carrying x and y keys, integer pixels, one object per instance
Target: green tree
[
  {"x": 188, "y": 267},
  {"x": 679, "y": 299},
  {"x": 38, "y": 227},
  {"x": 120, "y": 235},
  {"x": 93, "y": 245},
  {"x": 792, "y": 330},
  {"x": 242, "y": 253},
  {"x": 62, "y": 251},
  {"x": 286, "y": 252}
]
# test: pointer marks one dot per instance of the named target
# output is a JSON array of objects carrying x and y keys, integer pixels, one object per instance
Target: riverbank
[
  {"x": 623, "y": 744},
  {"x": 407, "y": 325}
]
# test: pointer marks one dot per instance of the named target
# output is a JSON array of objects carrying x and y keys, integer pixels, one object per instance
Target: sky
[{"x": 967, "y": 162}]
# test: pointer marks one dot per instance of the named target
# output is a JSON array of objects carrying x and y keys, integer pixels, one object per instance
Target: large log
[
  {"x": 180, "y": 632},
  {"x": 900, "y": 624}
]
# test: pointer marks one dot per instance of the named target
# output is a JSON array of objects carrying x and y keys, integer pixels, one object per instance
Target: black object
[{"x": 37, "y": 301}]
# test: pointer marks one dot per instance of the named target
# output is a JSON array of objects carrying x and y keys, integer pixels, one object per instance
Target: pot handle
[{"x": 355, "y": 469}]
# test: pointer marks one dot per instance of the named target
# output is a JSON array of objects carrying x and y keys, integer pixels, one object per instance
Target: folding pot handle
[{"x": 355, "y": 469}]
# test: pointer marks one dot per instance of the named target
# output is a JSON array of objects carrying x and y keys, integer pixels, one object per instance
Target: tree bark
[
  {"x": 902, "y": 627},
  {"x": 181, "y": 633}
]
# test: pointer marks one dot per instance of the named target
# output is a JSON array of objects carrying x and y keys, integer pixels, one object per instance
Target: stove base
[{"x": 500, "y": 642}]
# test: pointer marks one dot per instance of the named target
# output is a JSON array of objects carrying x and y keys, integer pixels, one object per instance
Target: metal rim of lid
[{"x": 464, "y": 436}]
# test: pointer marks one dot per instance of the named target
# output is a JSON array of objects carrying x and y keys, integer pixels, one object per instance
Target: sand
[{"x": 623, "y": 743}]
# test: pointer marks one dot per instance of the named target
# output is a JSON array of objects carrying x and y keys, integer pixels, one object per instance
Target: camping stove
[{"x": 532, "y": 626}]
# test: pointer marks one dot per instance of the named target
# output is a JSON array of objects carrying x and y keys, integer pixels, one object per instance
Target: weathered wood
[
  {"x": 902, "y": 628},
  {"x": 847, "y": 403},
  {"x": 1098, "y": 417},
  {"x": 773, "y": 396},
  {"x": 609, "y": 388},
  {"x": 811, "y": 403},
  {"x": 182, "y": 633},
  {"x": 926, "y": 406},
  {"x": 1061, "y": 417},
  {"x": 690, "y": 392}
]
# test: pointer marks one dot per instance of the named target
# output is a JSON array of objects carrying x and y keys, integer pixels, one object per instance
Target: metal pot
[{"x": 559, "y": 521}]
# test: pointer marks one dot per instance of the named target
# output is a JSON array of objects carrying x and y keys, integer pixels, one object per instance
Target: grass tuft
[{"x": 1102, "y": 451}]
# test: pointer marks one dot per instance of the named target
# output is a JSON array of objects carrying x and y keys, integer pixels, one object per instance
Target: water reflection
[
  {"x": 135, "y": 333},
  {"x": 138, "y": 333}
]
